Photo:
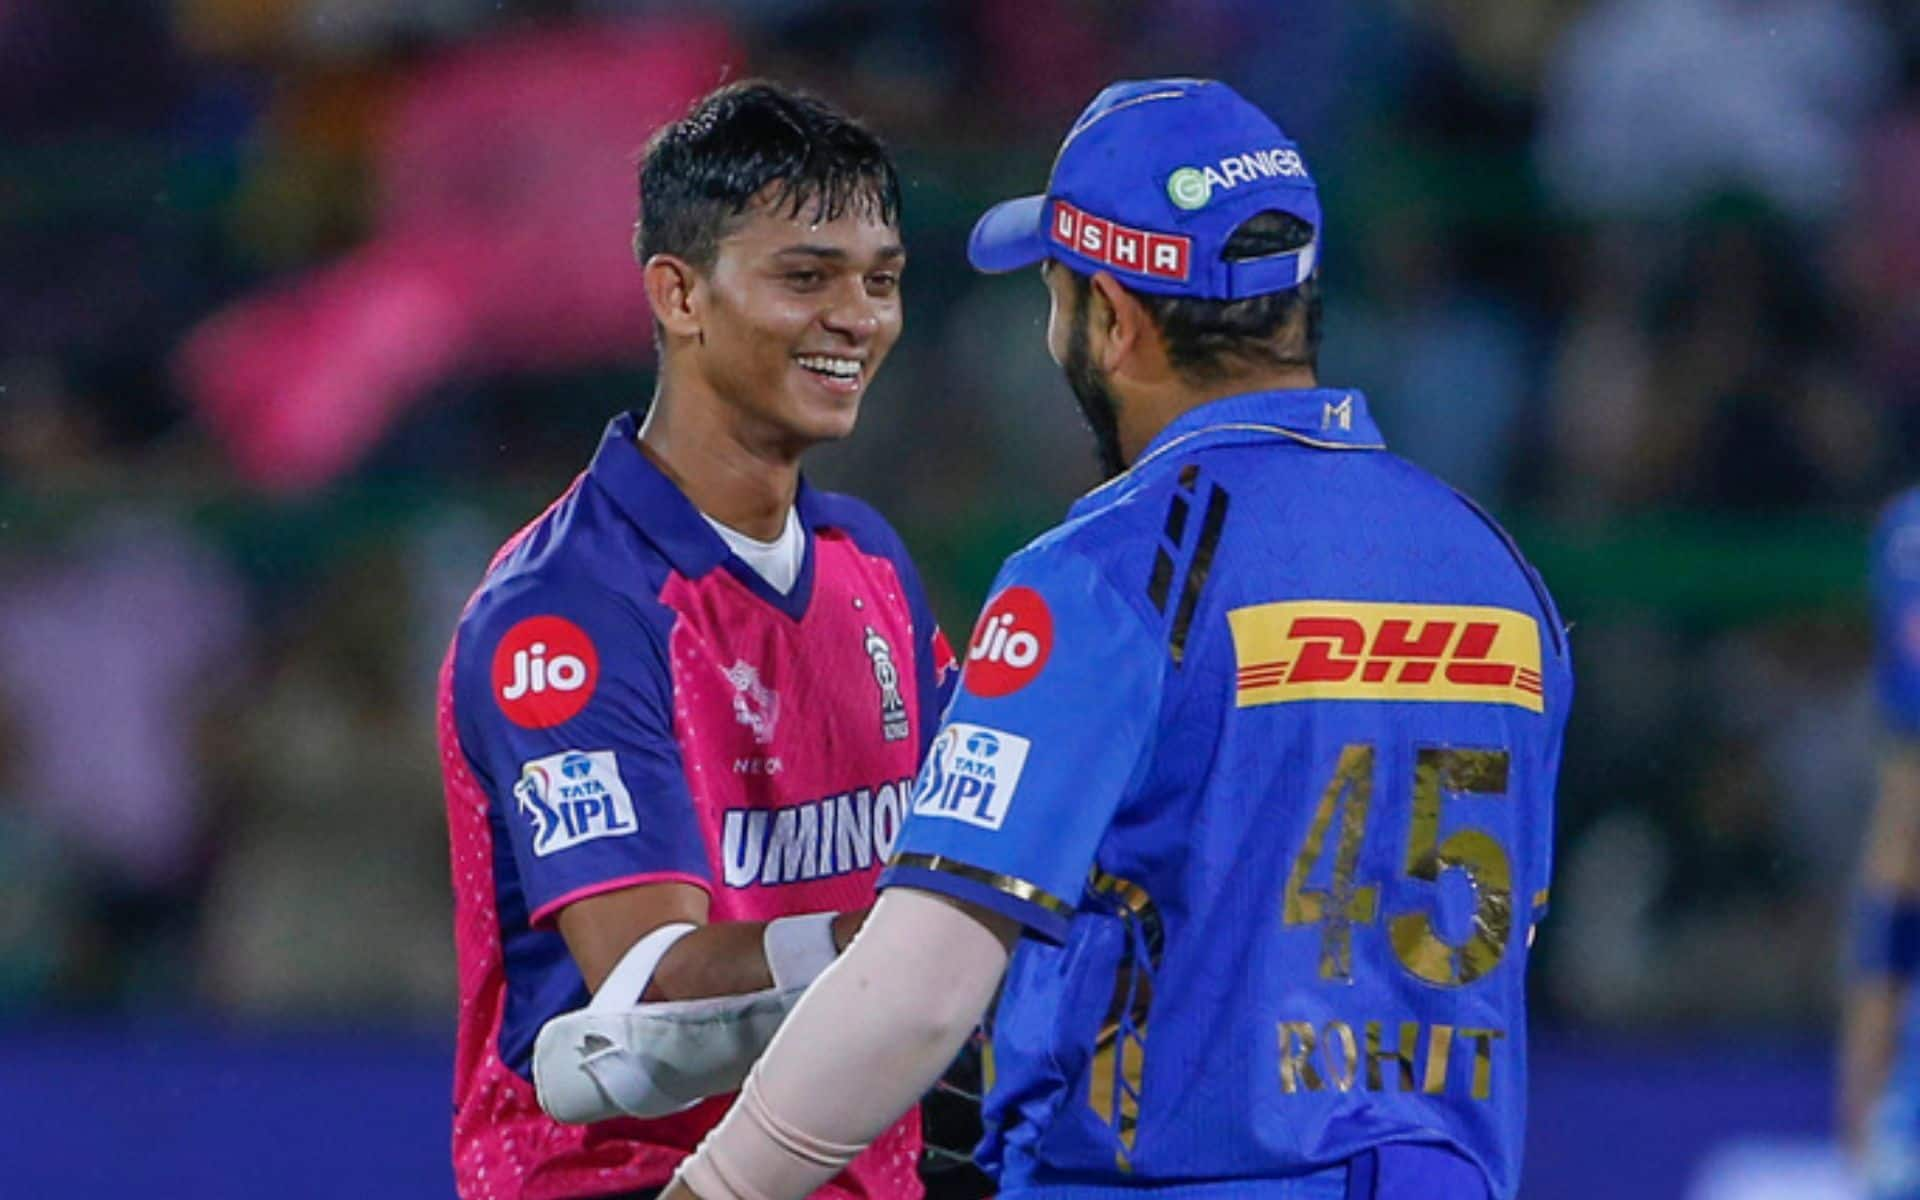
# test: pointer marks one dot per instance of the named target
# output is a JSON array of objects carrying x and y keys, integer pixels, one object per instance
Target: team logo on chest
[
  {"x": 754, "y": 703},
  {"x": 893, "y": 709}
]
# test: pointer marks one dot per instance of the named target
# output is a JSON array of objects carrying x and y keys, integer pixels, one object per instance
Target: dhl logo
[{"x": 1338, "y": 650}]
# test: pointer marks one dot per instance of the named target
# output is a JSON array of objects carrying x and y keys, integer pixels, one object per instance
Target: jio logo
[
  {"x": 1010, "y": 645},
  {"x": 544, "y": 671}
]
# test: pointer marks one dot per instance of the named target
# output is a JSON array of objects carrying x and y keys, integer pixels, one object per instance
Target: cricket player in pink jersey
[{"x": 681, "y": 717}]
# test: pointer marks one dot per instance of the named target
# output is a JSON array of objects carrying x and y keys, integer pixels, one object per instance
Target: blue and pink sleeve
[{"x": 564, "y": 701}]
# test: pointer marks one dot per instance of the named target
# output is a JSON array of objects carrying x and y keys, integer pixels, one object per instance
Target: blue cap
[{"x": 1150, "y": 183}]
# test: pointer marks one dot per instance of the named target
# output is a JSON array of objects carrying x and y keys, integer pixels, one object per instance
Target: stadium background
[{"x": 304, "y": 304}]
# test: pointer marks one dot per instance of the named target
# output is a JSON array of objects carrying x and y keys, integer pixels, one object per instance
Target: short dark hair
[
  {"x": 700, "y": 173},
  {"x": 1208, "y": 340}
]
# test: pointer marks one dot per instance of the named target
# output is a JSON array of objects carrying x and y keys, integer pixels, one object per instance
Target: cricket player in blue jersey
[
  {"x": 1245, "y": 803},
  {"x": 1880, "y": 1054}
]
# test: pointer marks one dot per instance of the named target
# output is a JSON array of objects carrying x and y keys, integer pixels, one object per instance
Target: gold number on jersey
[
  {"x": 1342, "y": 905},
  {"x": 1417, "y": 944}
]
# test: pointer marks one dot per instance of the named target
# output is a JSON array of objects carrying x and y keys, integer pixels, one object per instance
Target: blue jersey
[
  {"x": 1260, "y": 747},
  {"x": 1893, "y": 1156},
  {"x": 1896, "y": 610}
]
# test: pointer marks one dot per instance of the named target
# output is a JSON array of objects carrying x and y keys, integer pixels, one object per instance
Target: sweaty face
[
  {"x": 797, "y": 317},
  {"x": 1068, "y": 340}
]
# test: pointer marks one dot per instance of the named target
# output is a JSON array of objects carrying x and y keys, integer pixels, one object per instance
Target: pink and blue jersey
[{"x": 626, "y": 702}]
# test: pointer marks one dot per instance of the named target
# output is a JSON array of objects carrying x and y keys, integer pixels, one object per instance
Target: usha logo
[{"x": 1122, "y": 247}]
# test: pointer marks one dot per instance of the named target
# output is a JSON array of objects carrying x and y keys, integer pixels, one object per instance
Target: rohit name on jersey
[
  {"x": 834, "y": 835},
  {"x": 1413, "y": 1057}
]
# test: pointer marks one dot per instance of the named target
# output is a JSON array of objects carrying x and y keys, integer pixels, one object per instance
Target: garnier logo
[
  {"x": 1188, "y": 188},
  {"x": 1192, "y": 187}
]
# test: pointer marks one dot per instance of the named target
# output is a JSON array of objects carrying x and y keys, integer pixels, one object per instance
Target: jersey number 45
[{"x": 1345, "y": 903}]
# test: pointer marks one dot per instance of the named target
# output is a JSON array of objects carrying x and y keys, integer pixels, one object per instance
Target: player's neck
[
  {"x": 743, "y": 483},
  {"x": 1147, "y": 411}
]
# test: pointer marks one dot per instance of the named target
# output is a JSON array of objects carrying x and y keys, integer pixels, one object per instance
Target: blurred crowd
[{"x": 305, "y": 304}]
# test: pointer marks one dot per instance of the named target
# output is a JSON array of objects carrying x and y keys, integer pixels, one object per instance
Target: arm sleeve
[
  {"x": 1896, "y": 606},
  {"x": 1047, "y": 734},
  {"x": 566, "y": 710},
  {"x": 920, "y": 975}
]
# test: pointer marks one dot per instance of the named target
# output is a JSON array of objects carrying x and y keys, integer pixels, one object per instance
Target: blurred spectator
[
  {"x": 1881, "y": 257},
  {"x": 1653, "y": 105},
  {"x": 507, "y": 208},
  {"x": 1445, "y": 364},
  {"x": 40, "y": 894},
  {"x": 330, "y": 896},
  {"x": 111, "y": 648}
]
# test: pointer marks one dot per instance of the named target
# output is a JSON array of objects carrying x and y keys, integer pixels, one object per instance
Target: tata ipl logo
[
  {"x": 573, "y": 797},
  {"x": 1189, "y": 188},
  {"x": 970, "y": 774},
  {"x": 532, "y": 791}
]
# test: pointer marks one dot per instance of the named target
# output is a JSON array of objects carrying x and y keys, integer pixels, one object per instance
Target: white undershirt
[{"x": 777, "y": 561}]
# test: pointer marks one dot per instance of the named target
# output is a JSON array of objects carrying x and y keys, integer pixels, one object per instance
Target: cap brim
[{"x": 1010, "y": 236}]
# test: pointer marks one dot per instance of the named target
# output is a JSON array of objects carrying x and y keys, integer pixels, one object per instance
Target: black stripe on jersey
[
  {"x": 1172, "y": 534},
  {"x": 1177, "y": 521},
  {"x": 1210, "y": 526},
  {"x": 1162, "y": 579}
]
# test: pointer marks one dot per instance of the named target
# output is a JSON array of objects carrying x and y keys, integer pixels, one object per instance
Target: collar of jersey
[
  {"x": 664, "y": 516},
  {"x": 1322, "y": 418}
]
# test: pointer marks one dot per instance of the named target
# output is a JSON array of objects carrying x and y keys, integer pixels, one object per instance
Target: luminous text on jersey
[
  {"x": 1340, "y": 650},
  {"x": 572, "y": 797},
  {"x": 1010, "y": 645},
  {"x": 834, "y": 835},
  {"x": 544, "y": 672},
  {"x": 1161, "y": 255}
]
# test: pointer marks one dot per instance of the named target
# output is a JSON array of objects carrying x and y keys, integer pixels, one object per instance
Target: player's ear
[
  {"x": 1118, "y": 321},
  {"x": 671, "y": 285}
]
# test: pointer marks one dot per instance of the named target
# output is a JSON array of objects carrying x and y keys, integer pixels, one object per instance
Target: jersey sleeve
[
  {"x": 1896, "y": 603},
  {"x": 1047, "y": 735},
  {"x": 565, "y": 708}
]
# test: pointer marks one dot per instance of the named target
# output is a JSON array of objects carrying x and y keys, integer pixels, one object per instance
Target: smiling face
[{"x": 794, "y": 318}]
